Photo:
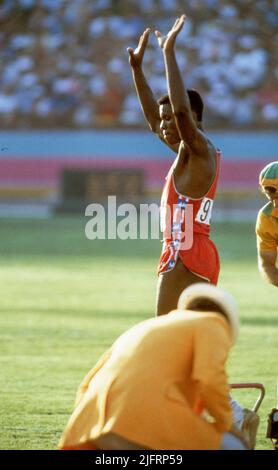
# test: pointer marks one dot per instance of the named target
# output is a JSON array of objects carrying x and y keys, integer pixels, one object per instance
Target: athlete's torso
[
  {"x": 267, "y": 228},
  {"x": 172, "y": 199},
  {"x": 183, "y": 221}
]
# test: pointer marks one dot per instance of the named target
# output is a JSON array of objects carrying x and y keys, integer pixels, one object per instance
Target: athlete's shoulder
[
  {"x": 208, "y": 141},
  {"x": 264, "y": 219},
  {"x": 266, "y": 210},
  {"x": 214, "y": 152}
]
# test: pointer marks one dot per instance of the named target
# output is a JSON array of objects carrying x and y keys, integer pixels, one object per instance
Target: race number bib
[{"x": 204, "y": 213}]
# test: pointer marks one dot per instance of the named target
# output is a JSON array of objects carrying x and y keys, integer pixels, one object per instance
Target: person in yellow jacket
[
  {"x": 163, "y": 385},
  {"x": 267, "y": 225}
]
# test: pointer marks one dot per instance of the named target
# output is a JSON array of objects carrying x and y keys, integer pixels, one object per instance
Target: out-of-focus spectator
[
  {"x": 64, "y": 62},
  {"x": 8, "y": 105}
]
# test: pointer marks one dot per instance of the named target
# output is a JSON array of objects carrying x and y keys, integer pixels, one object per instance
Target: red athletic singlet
[{"x": 202, "y": 258}]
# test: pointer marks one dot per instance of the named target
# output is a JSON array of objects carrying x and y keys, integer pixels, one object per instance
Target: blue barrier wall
[
  {"x": 31, "y": 162},
  {"x": 126, "y": 145}
]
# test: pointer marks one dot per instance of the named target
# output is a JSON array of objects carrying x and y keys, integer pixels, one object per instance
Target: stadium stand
[{"x": 64, "y": 62}]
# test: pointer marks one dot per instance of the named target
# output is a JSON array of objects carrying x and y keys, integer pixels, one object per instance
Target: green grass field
[{"x": 64, "y": 299}]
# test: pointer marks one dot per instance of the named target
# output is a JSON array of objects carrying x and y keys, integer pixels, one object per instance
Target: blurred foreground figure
[
  {"x": 162, "y": 384},
  {"x": 176, "y": 119},
  {"x": 267, "y": 225}
]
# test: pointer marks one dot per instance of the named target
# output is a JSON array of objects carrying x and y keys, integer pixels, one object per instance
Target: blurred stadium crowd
[{"x": 64, "y": 62}]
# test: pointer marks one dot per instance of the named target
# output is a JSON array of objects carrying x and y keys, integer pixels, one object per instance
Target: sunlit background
[
  {"x": 67, "y": 98},
  {"x": 72, "y": 133}
]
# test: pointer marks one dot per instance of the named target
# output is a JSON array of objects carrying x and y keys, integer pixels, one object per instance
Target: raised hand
[
  {"x": 136, "y": 56},
  {"x": 168, "y": 41}
]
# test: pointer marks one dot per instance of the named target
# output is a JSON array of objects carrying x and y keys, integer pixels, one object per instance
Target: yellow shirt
[
  {"x": 146, "y": 387},
  {"x": 267, "y": 229}
]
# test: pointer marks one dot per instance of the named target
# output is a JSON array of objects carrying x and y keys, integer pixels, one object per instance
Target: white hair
[{"x": 220, "y": 297}]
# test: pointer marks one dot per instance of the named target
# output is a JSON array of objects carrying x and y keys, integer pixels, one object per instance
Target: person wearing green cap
[{"x": 267, "y": 225}]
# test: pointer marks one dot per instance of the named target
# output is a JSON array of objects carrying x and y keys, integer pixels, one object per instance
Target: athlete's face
[
  {"x": 272, "y": 194},
  {"x": 168, "y": 125}
]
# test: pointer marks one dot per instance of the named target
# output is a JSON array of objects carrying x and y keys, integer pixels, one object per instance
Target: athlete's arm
[
  {"x": 201, "y": 165},
  {"x": 267, "y": 265},
  {"x": 147, "y": 101},
  {"x": 187, "y": 128}
]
